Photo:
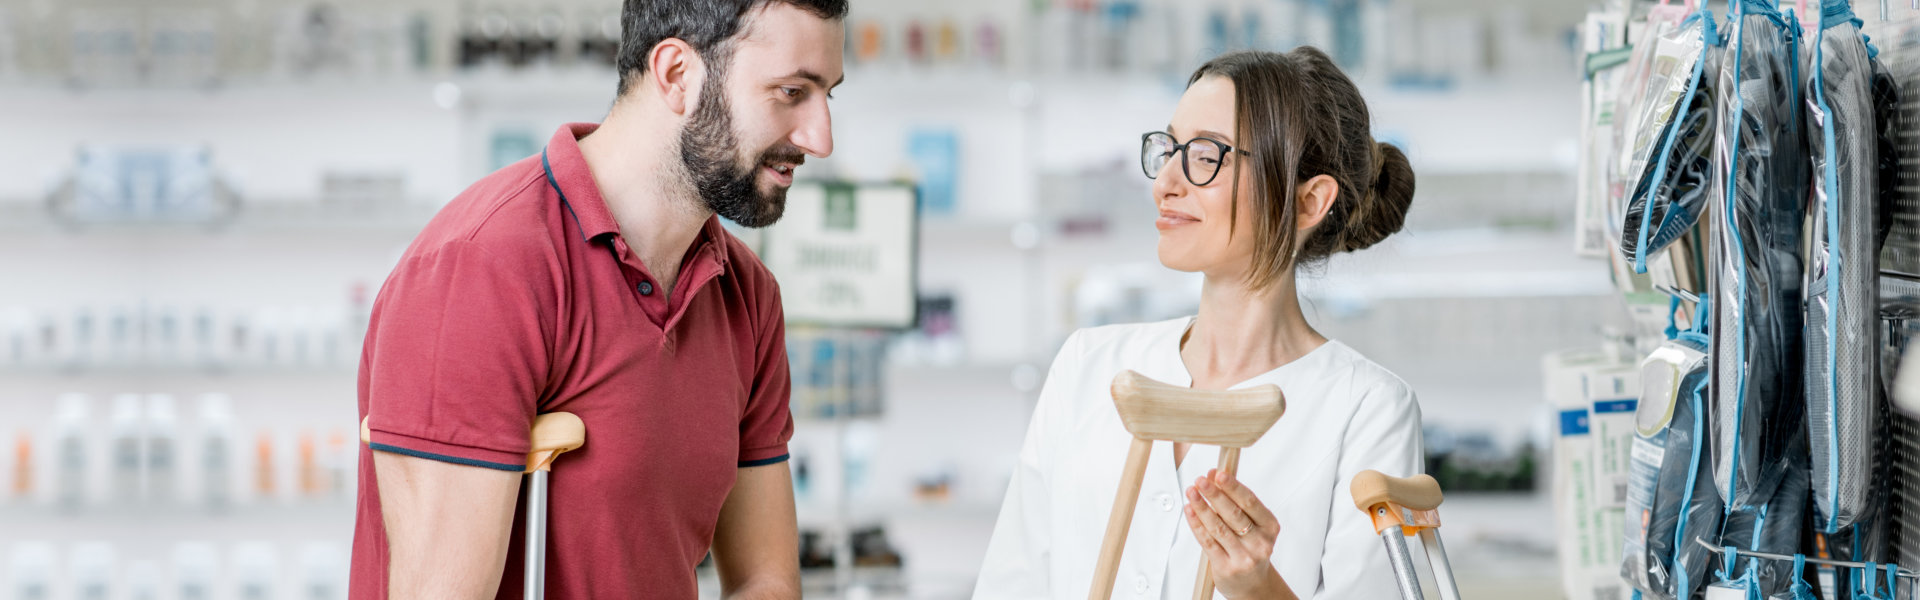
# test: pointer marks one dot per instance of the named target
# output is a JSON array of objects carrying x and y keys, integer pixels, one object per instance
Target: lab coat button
[
  {"x": 1140, "y": 584},
  {"x": 1166, "y": 502}
]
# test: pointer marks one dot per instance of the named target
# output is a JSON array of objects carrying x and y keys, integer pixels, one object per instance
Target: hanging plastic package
[
  {"x": 1886, "y": 117},
  {"x": 1652, "y": 83},
  {"x": 1772, "y": 527},
  {"x": 1670, "y": 495},
  {"x": 1761, "y": 158},
  {"x": 1843, "y": 265},
  {"x": 1671, "y": 156}
]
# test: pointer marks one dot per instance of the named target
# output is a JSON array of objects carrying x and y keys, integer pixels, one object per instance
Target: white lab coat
[{"x": 1344, "y": 415}]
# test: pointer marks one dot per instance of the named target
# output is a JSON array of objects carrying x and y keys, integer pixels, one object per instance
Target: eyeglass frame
[{"x": 1186, "y": 165}]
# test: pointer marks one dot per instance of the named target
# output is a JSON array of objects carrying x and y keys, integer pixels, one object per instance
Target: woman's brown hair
[{"x": 1300, "y": 117}]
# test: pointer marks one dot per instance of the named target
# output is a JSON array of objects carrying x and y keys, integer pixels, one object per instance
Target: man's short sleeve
[
  {"x": 767, "y": 423},
  {"x": 457, "y": 355}
]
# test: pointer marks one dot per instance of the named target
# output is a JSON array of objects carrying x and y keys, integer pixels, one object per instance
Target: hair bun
[{"x": 1382, "y": 210}]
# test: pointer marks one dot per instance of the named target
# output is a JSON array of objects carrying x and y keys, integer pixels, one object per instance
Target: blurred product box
[{"x": 1590, "y": 532}]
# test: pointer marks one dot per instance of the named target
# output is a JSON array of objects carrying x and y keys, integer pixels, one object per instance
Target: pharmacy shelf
[
  {"x": 815, "y": 514},
  {"x": 254, "y": 218},
  {"x": 157, "y": 526},
  {"x": 158, "y": 370}
]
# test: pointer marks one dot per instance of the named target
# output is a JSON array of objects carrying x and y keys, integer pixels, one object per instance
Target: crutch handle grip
[
  {"x": 553, "y": 434},
  {"x": 1152, "y": 410},
  {"x": 1371, "y": 488}
]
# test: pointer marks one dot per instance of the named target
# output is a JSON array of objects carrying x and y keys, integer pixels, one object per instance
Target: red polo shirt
[{"x": 521, "y": 298}]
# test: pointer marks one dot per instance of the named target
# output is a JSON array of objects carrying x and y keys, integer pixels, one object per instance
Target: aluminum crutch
[
  {"x": 553, "y": 434},
  {"x": 1400, "y": 507}
]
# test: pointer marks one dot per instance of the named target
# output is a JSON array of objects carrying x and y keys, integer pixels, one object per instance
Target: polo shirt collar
[
  {"x": 581, "y": 195},
  {"x": 716, "y": 236},
  {"x": 567, "y": 169}
]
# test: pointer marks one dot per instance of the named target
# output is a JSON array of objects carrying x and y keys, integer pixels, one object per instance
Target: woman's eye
[{"x": 1208, "y": 160}]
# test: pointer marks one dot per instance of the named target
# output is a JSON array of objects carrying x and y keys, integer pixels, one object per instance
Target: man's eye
[{"x": 791, "y": 92}]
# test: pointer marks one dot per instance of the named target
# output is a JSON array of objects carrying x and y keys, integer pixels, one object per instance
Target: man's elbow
[{"x": 769, "y": 586}]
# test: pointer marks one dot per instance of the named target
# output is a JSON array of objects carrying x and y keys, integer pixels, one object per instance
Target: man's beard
[{"x": 708, "y": 151}]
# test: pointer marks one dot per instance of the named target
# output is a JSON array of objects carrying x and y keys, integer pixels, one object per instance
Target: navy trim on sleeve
[
  {"x": 451, "y": 459},
  {"x": 764, "y": 461}
]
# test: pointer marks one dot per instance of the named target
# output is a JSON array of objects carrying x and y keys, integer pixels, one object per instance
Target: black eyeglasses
[{"x": 1200, "y": 158}]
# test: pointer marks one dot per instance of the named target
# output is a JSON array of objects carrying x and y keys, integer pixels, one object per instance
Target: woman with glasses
[{"x": 1268, "y": 164}]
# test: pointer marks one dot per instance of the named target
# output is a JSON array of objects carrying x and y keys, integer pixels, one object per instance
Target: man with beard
[{"x": 595, "y": 278}]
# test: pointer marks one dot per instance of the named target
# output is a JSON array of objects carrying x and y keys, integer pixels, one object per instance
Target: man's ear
[
  {"x": 1314, "y": 199},
  {"x": 674, "y": 71}
]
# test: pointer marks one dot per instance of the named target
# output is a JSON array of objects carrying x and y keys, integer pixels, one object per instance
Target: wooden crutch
[
  {"x": 553, "y": 434},
  {"x": 1400, "y": 507},
  {"x": 1151, "y": 411}
]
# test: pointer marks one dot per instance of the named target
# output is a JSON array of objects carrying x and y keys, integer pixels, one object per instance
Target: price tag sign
[{"x": 846, "y": 255}]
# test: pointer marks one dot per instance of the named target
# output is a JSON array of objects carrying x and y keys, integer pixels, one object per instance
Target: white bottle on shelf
[
  {"x": 321, "y": 567},
  {"x": 195, "y": 565},
  {"x": 143, "y": 580},
  {"x": 32, "y": 570},
  {"x": 92, "y": 571},
  {"x": 127, "y": 448},
  {"x": 122, "y": 337},
  {"x": 70, "y": 450},
  {"x": 81, "y": 345},
  {"x": 216, "y": 450},
  {"x": 163, "y": 449},
  {"x": 205, "y": 337},
  {"x": 256, "y": 569}
]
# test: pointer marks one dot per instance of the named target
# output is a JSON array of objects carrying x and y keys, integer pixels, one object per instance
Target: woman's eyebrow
[
  {"x": 1206, "y": 133},
  {"x": 1215, "y": 135}
]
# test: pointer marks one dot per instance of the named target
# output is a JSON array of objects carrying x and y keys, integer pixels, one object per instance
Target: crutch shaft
[
  {"x": 536, "y": 549},
  {"x": 1203, "y": 583},
  {"x": 1442, "y": 568},
  {"x": 1120, "y": 520},
  {"x": 1402, "y": 563}
]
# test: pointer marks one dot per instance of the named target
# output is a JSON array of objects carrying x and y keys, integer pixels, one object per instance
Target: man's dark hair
[{"x": 707, "y": 25}]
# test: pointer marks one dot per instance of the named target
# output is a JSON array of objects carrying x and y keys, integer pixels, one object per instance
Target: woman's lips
[{"x": 1170, "y": 220}]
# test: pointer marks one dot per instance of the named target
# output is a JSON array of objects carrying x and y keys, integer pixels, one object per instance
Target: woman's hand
[{"x": 1237, "y": 533}]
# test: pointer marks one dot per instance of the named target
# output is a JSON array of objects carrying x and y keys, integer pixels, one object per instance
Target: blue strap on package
[
  {"x": 1761, "y": 160},
  {"x": 1870, "y": 578},
  {"x": 1842, "y": 283},
  {"x": 1800, "y": 589},
  {"x": 1893, "y": 581}
]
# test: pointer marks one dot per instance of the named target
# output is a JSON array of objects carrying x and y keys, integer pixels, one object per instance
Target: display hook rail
[{"x": 1901, "y": 572}]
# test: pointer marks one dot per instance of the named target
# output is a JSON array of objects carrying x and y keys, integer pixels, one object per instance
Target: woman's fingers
[
  {"x": 1214, "y": 551},
  {"x": 1210, "y": 519},
  {"x": 1244, "y": 498},
  {"x": 1228, "y": 508}
]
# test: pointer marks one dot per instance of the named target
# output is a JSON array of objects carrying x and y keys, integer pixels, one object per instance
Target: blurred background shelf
[{"x": 1049, "y": 230}]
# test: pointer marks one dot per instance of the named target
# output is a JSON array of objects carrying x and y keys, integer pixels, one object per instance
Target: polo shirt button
[{"x": 646, "y": 289}]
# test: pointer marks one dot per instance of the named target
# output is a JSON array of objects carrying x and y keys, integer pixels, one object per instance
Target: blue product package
[{"x": 936, "y": 153}]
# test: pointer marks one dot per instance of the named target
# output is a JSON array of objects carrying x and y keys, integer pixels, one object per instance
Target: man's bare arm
[
  {"x": 756, "y": 545},
  {"x": 447, "y": 526}
]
